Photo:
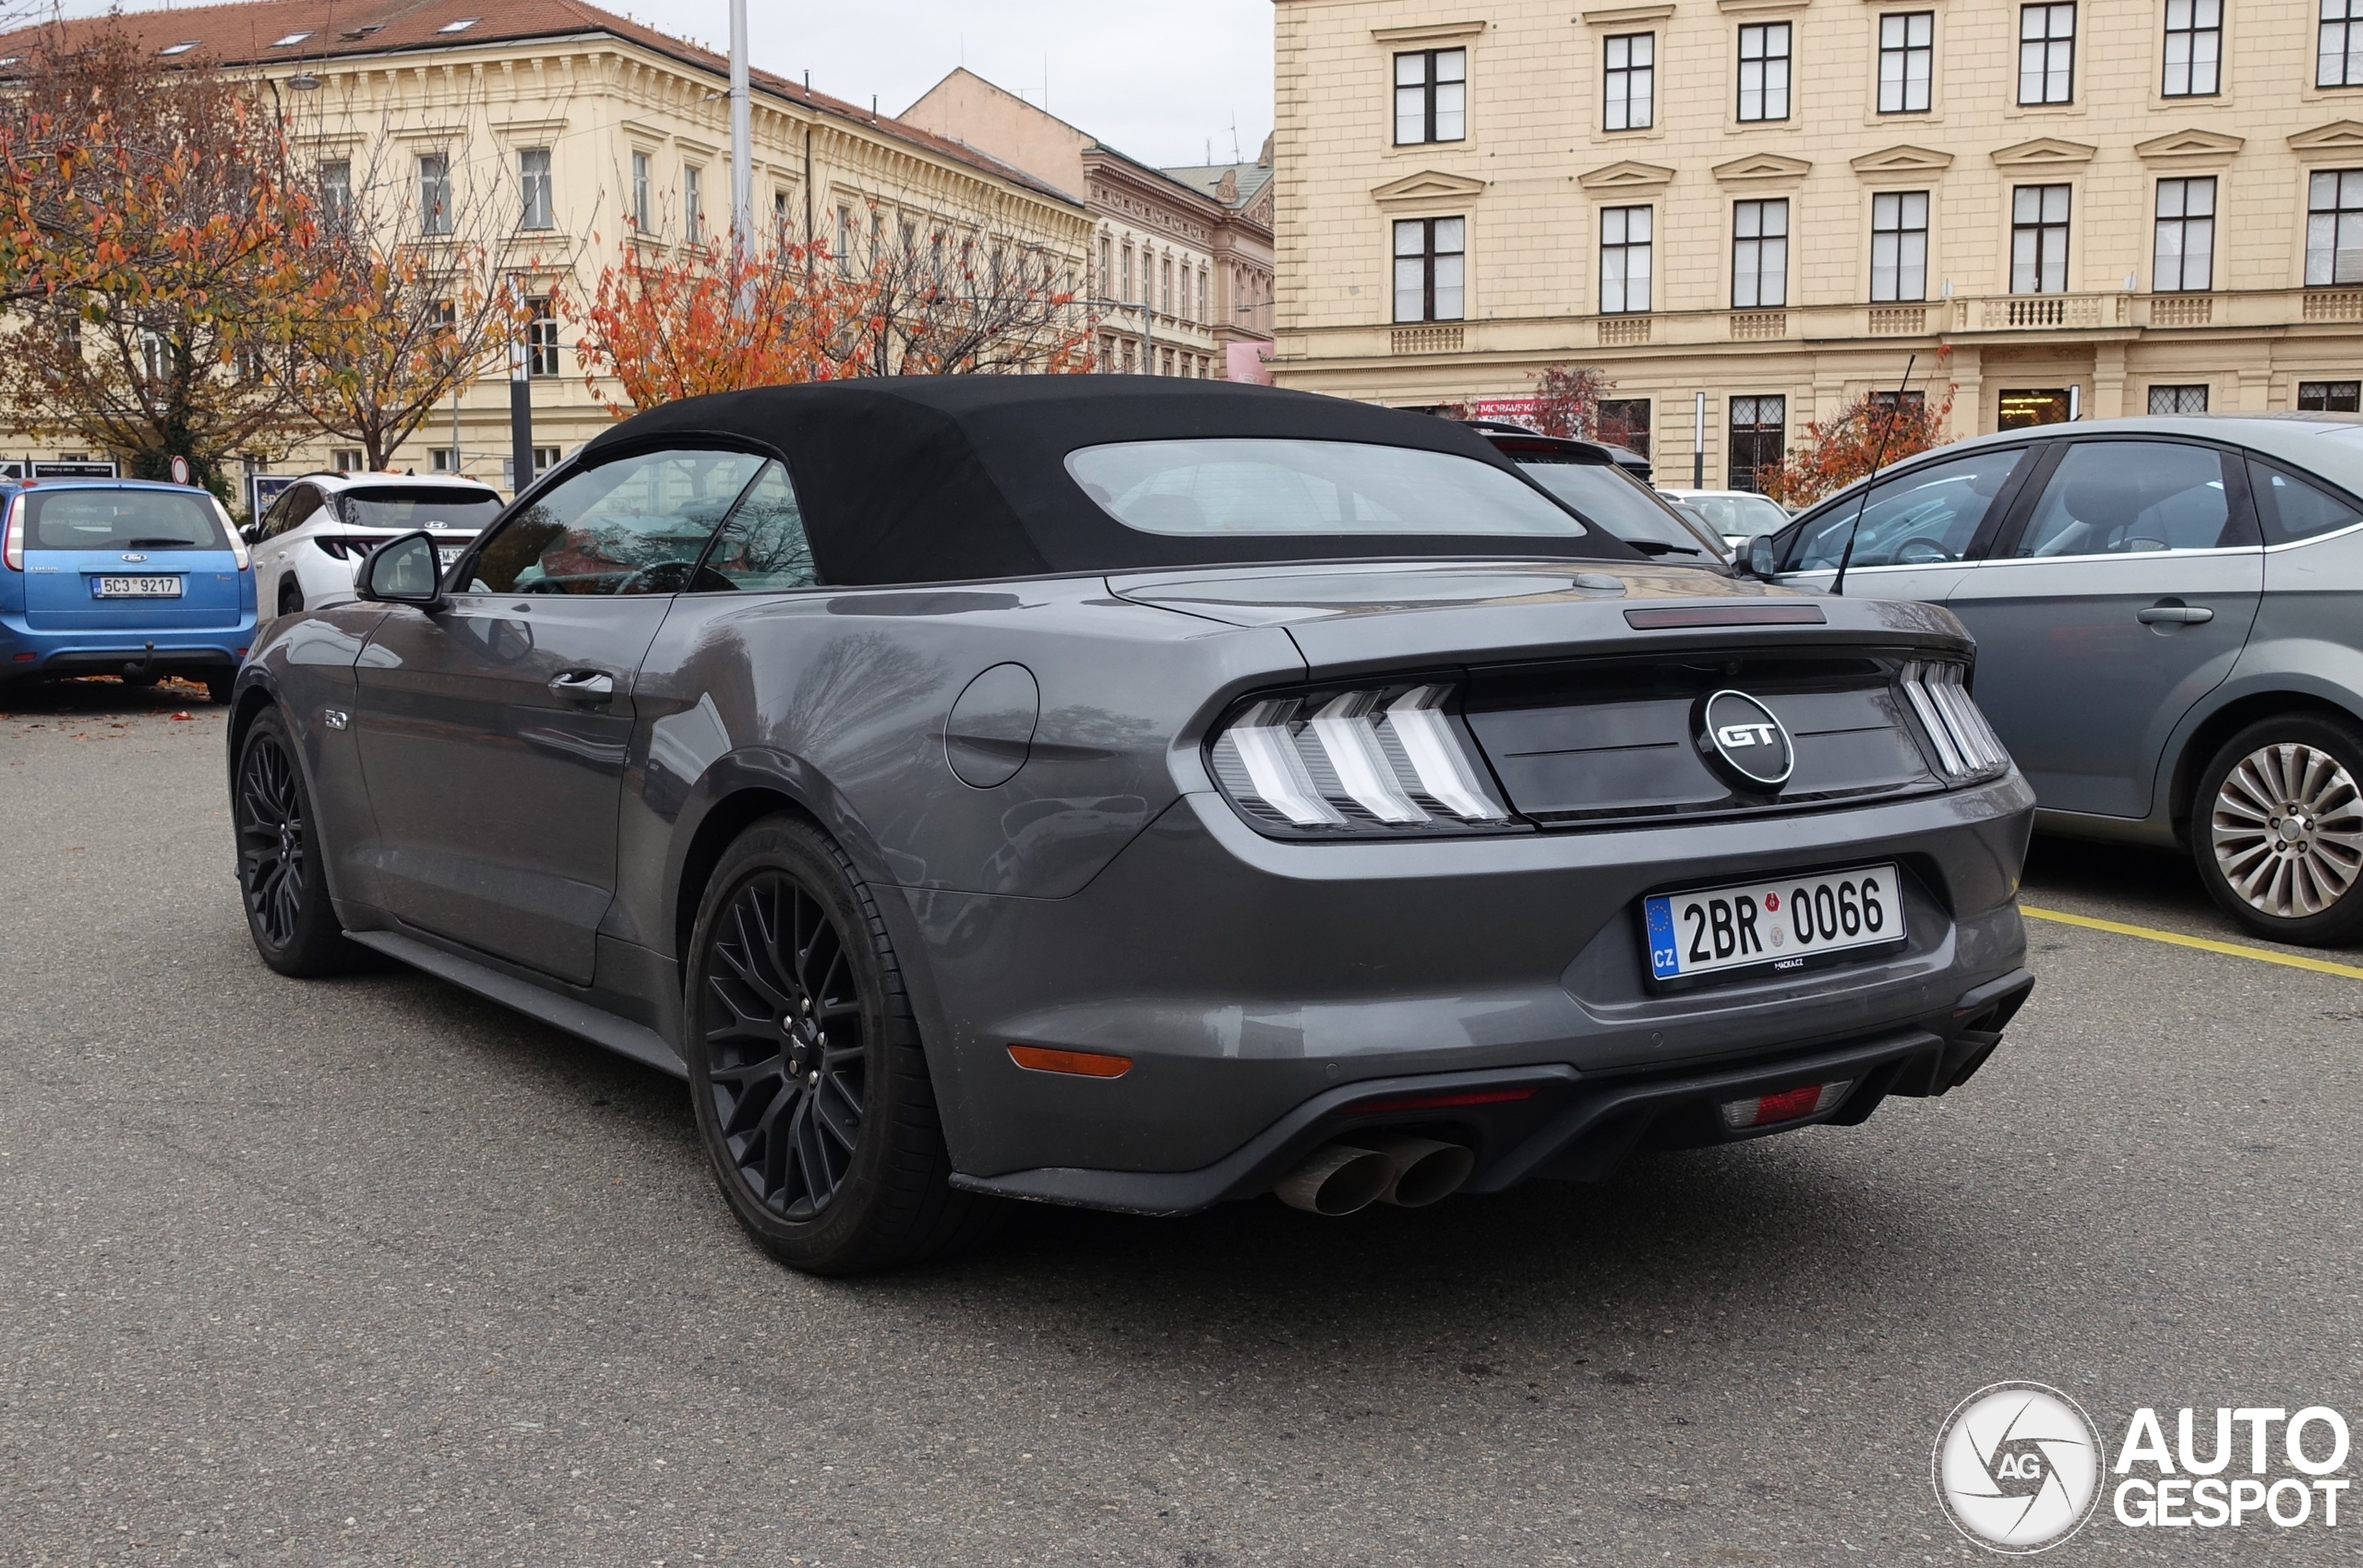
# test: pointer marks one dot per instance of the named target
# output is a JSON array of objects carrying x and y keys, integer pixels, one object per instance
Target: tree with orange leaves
[
  {"x": 152, "y": 240},
  {"x": 1876, "y": 429}
]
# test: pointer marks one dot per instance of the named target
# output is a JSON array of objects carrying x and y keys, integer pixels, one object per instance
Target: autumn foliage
[{"x": 1874, "y": 430}]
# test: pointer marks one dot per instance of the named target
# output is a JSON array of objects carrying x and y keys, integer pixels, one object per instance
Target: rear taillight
[
  {"x": 1369, "y": 760},
  {"x": 12, "y": 542},
  {"x": 1789, "y": 1104},
  {"x": 237, "y": 541},
  {"x": 1966, "y": 746}
]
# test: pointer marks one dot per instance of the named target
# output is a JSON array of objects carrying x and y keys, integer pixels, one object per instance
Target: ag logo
[
  {"x": 1744, "y": 743},
  {"x": 2018, "y": 1467}
]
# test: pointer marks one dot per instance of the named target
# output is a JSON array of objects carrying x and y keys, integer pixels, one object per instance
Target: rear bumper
[
  {"x": 24, "y": 651},
  {"x": 1553, "y": 1122}
]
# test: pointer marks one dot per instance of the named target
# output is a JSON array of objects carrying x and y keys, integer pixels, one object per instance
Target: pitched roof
[
  {"x": 250, "y": 33},
  {"x": 1206, "y": 179}
]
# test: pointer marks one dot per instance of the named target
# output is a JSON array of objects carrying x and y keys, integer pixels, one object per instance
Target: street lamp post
[{"x": 742, "y": 141}]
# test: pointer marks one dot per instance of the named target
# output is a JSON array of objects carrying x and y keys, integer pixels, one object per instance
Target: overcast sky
[{"x": 1160, "y": 82}]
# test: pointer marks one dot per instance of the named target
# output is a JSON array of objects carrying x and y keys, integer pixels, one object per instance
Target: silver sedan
[{"x": 2169, "y": 619}]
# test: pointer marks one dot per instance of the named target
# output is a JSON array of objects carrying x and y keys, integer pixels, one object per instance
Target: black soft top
[{"x": 933, "y": 479}]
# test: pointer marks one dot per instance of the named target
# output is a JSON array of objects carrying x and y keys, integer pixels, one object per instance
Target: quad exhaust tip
[{"x": 1409, "y": 1172}]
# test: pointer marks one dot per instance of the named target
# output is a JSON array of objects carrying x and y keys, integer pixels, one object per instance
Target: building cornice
[
  {"x": 1762, "y": 168},
  {"x": 1426, "y": 189},
  {"x": 2192, "y": 148},
  {"x": 1615, "y": 179},
  {"x": 2044, "y": 152},
  {"x": 1433, "y": 32},
  {"x": 1901, "y": 161},
  {"x": 2340, "y": 138}
]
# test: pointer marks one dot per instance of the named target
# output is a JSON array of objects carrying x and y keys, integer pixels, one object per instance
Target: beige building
[
  {"x": 1182, "y": 258},
  {"x": 560, "y": 134},
  {"x": 2103, "y": 205}
]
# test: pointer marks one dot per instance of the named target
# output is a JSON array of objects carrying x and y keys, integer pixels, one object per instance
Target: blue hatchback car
[{"x": 122, "y": 577}]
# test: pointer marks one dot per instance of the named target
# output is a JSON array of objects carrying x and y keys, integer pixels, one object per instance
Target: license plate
[
  {"x": 446, "y": 553},
  {"x": 136, "y": 588},
  {"x": 1774, "y": 925}
]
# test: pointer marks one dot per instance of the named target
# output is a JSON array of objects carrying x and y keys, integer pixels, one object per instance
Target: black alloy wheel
[
  {"x": 281, "y": 879},
  {"x": 2276, "y": 828},
  {"x": 806, "y": 1069}
]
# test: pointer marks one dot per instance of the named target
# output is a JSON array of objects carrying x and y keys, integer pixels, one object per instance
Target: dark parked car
[
  {"x": 1136, "y": 794},
  {"x": 2166, "y": 613}
]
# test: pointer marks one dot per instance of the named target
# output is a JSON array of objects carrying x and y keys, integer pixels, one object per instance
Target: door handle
[
  {"x": 583, "y": 686},
  {"x": 2177, "y": 615}
]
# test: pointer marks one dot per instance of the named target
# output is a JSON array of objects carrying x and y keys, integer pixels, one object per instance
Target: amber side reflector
[
  {"x": 1083, "y": 1064},
  {"x": 1445, "y": 1101}
]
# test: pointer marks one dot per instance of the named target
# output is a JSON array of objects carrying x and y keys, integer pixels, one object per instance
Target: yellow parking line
[{"x": 2319, "y": 965}]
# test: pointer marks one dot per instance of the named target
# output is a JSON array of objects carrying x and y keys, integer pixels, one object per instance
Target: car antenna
[{"x": 1837, "y": 583}]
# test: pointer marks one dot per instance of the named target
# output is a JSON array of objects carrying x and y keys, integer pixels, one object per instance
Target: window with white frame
[
  {"x": 1631, "y": 75},
  {"x": 2338, "y": 47},
  {"x": 1759, "y": 254},
  {"x": 1764, "y": 71},
  {"x": 1430, "y": 262},
  {"x": 2189, "y": 398},
  {"x": 1907, "y": 61},
  {"x": 1899, "y": 246},
  {"x": 1431, "y": 96},
  {"x": 2182, "y": 254},
  {"x": 2039, "y": 240},
  {"x": 693, "y": 204},
  {"x": 642, "y": 214},
  {"x": 2047, "y": 53},
  {"x": 535, "y": 207},
  {"x": 1625, "y": 260},
  {"x": 336, "y": 190},
  {"x": 435, "y": 193},
  {"x": 2194, "y": 48},
  {"x": 2334, "y": 227},
  {"x": 541, "y": 337}
]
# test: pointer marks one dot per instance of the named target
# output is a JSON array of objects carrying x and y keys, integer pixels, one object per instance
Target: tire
[
  {"x": 282, "y": 879},
  {"x": 2277, "y": 830},
  {"x": 829, "y": 1152},
  {"x": 291, "y": 594}
]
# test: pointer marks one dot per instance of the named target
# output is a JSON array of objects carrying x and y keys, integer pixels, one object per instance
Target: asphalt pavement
[{"x": 371, "y": 1272}]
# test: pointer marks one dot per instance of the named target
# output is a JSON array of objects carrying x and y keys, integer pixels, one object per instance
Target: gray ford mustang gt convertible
[{"x": 1136, "y": 794}]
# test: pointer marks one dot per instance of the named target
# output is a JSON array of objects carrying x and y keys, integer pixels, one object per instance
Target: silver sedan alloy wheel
[{"x": 2288, "y": 831}]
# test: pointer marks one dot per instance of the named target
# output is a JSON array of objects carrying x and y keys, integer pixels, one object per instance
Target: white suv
[{"x": 311, "y": 539}]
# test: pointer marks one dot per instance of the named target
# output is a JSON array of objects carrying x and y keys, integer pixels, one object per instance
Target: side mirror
[
  {"x": 1760, "y": 560},
  {"x": 250, "y": 534},
  {"x": 403, "y": 572}
]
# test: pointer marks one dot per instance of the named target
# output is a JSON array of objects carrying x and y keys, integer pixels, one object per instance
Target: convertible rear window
[
  {"x": 1616, "y": 501},
  {"x": 418, "y": 506},
  {"x": 122, "y": 520},
  {"x": 1271, "y": 486}
]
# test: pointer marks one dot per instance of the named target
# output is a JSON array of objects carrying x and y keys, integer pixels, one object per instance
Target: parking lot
[{"x": 372, "y": 1270}]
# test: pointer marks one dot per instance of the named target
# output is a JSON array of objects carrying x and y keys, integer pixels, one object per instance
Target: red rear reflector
[
  {"x": 1786, "y": 1105},
  {"x": 1082, "y": 1064},
  {"x": 1444, "y": 1101},
  {"x": 27, "y": 658}
]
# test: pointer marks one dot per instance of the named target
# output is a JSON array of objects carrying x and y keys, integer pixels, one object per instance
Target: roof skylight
[
  {"x": 179, "y": 48},
  {"x": 291, "y": 40},
  {"x": 462, "y": 25}
]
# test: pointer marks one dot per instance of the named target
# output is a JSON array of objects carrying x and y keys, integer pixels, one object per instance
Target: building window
[
  {"x": 1431, "y": 96},
  {"x": 2178, "y": 399},
  {"x": 535, "y": 208},
  {"x": 1428, "y": 269},
  {"x": 1907, "y": 61},
  {"x": 1165, "y": 285},
  {"x": 2039, "y": 240},
  {"x": 2330, "y": 397},
  {"x": 2046, "y": 53},
  {"x": 641, "y": 212},
  {"x": 1632, "y": 78},
  {"x": 2183, "y": 256},
  {"x": 2334, "y": 227},
  {"x": 1764, "y": 71},
  {"x": 541, "y": 338},
  {"x": 1759, "y": 254},
  {"x": 1106, "y": 289},
  {"x": 444, "y": 460},
  {"x": 1206, "y": 301},
  {"x": 336, "y": 191},
  {"x": 1758, "y": 428},
  {"x": 845, "y": 239},
  {"x": 693, "y": 204},
  {"x": 2194, "y": 47},
  {"x": 1899, "y": 246},
  {"x": 435, "y": 193},
  {"x": 2338, "y": 58},
  {"x": 1127, "y": 295},
  {"x": 1624, "y": 259},
  {"x": 346, "y": 460},
  {"x": 1625, "y": 422}
]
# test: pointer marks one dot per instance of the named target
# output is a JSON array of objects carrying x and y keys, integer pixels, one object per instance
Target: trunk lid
[{"x": 63, "y": 590}]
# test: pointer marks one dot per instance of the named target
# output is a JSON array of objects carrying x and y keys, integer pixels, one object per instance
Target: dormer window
[
  {"x": 462, "y": 25},
  {"x": 291, "y": 40}
]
